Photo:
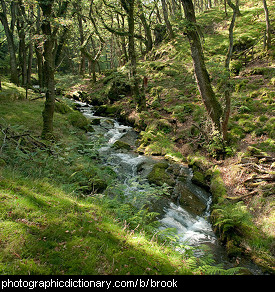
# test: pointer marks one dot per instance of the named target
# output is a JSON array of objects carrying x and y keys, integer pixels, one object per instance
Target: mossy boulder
[
  {"x": 2, "y": 162},
  {"x": 159, "y": 175},
  {"x": 78, "y": 120},
  {"x": 190, "y": 201},
  {"x": 121, "y": 145},
  {"x": 117, "y": 86},
  {"x": 232, "y": 249},
  {"x": 107, "y": 110},
  {"x": 200, "y": 179},
  {"x": 95, "y": 121},
  {"x": 217, "y": 187},
  {"x": 62, "y": 108},
  {"x": 94, "y": 185}
]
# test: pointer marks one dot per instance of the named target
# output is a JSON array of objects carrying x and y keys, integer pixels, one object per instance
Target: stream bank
[{"x": 186, "y": 209}]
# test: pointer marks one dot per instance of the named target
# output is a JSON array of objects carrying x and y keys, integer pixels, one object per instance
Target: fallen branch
[
  {"x": 25, "y": 142},
  {"x": 256, "y": 167},
  {"x": 261, "y": 178},
  {"x": 240, "y": 198}
]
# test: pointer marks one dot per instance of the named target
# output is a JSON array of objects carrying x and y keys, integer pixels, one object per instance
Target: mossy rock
[
  {"x": 199, "y": 163},
  {"x": 95, "y": 122},
  {"x": 253, "y": 151},
  {"x": 89, "y": 128},
  {"x": 62, "y": 108},
  {"x": 159, "y": 176},
  {"x": 190, "y": 201},
  {"x": 199, "y": 178},
  {"x": 117, "y": 86},
  {"x": 2, "y": 162},
  {"x": 121, "y": 145},
  {"x": 107, "y": 110},
  {"x": 217, "y": 187},
  {"x": 78, "y": 120},
  {"x": 94, "y": 185},
  {"x": 232, "y": 249}
]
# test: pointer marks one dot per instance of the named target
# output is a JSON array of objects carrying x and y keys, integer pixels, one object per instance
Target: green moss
[
  {"x": 121, "y": 145},
  {"x": 78, "y": 120},
  {"x": 159, "y": 176},
  {"x": 232, "y": 249},
  {"x": 62, "y": 108},
  {"x": 199, "y": 179},
  {"x": 217, "y": 187}
]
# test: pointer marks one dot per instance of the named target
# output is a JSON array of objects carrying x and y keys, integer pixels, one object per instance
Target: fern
[
  {"x": 216, "y": 270},
  {"x": 231, "y": 219}
]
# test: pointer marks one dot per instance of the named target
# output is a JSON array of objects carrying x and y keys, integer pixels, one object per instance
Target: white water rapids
[{"x": 189, "y": 229}]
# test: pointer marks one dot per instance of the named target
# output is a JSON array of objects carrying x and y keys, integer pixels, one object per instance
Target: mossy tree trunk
[
  {"x": 210, "y": 101},
  {"x": 166, "y": 19},
  {"x": 267, "y": 42},
  {"x": 128, "y": 6},
  {"x": 146, "y": 26},
  {"x": 10, "y": 39},
  {"x": 48, "y": 68},
  {"x": 227, "y": 92},
  {"x": 51, "y": 52}
]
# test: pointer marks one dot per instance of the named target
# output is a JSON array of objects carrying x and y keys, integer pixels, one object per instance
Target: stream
[{"x": 180, "y": 211}]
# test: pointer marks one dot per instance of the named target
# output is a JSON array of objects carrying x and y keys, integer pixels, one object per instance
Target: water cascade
[{"x": 191, "y": 228}]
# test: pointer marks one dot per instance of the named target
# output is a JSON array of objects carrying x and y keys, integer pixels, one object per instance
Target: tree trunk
[
  {"x": 166, "y": 19},
  {"x": 230, "y": 47},
  {"x": 48, "y": 69},
  {"x": 9, "y": 34},
  {"x": 227, "y": 92},
  {"x": 38, "y": 51},
  {"x": 128, "y": 6},
  {"x": 211, "y": 103},
  {"x": 235, "y": 6},
  {"x": 147, "y": 29},
  {"x": 30, "y": 58},
  {"x": 267, "y": 43},
  {"x": 22, "y": 56},
  {"x": 81, "y": 35}
]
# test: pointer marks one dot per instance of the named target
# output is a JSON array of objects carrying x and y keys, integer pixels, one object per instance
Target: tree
[
  {"x": 210, "y": 101},
  {"x": 48, "y": 67},
  {"x": 227, "y": 93},
  {"x": 231, "y": 27},
  {"x": 146, "y": 26},
  {"x": 166, "y": 19},
  {"x": 9, "y": 30},
  {"x": 51, "y": 54},
  {"x": 128, "y": 6},
  {"x": 267, "y": 43}
]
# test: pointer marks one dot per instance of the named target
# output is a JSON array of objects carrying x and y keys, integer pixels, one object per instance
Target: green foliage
[
  {"x": 216, "y": 145},
  {"x": 232, "y": 220},
  {"x": 236, "y": 66}
]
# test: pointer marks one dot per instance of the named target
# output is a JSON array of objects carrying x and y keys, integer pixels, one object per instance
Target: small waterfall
[{"x": 190, "y": 229}]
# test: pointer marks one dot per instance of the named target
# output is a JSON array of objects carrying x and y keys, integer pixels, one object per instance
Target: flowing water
[{"x": 191, "y": 228}]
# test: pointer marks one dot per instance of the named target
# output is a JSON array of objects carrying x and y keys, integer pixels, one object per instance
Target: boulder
[
  {"x": 190, "y": 201},
  {"x": 159, "y": 175}
]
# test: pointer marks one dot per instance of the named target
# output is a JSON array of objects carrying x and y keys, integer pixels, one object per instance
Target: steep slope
[{"x": 175, "y": 124}]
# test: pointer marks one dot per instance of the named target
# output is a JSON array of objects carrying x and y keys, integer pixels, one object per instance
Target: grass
[
  {"x": 47, "y": 231},
  {"x": 47, "y": 225}
]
